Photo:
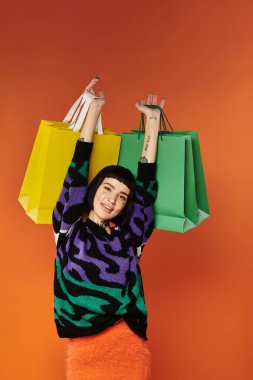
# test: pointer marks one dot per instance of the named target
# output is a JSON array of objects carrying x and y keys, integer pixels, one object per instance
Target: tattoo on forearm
[
  {"x": 144, "y": 159},
  {"x": 146, "y": 146}
]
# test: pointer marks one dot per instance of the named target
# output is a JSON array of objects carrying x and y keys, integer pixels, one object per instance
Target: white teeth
[{"x": 108, "y": 208}]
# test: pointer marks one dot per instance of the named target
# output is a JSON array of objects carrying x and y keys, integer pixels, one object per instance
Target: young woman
[{"x": 98, "y": 292}]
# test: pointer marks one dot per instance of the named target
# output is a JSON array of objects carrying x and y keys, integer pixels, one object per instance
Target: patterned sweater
[{"x": 97, "y": 278}]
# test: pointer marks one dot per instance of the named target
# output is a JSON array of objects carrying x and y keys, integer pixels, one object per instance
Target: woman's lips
[{"x": 106, "y": 209}]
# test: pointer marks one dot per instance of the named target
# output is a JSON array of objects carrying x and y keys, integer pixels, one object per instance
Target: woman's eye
[
  {"x": 123, "y": 198},
  {"x": 107, "y": 188}
]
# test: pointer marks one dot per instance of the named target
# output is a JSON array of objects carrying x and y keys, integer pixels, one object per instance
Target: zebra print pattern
[{"x": 97, "y": 276}]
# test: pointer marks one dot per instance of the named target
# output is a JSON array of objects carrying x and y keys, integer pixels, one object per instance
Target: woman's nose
[{"x": 112, "y": 198}]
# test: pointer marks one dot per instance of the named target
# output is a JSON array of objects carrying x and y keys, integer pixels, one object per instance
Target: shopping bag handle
[
  {"x": 163, "y": 127},
  {"x": 77, "y": 113}
]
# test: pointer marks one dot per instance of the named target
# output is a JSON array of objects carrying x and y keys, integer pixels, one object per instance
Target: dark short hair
[{"x": 121, "y": 174}]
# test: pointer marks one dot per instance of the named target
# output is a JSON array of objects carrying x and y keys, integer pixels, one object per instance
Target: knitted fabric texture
[{"x": 97, "y": 276}]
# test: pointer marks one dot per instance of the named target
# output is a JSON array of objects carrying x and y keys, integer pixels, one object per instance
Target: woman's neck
[{"x": 102, "y": 223}]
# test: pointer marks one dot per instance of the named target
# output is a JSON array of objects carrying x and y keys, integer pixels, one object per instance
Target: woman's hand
[
  {"x": 100, "y": 101},
  {"x": 88, "y": 128},
  {"x": 152, "y": 114},
  {"x": 152, "y": 127}
]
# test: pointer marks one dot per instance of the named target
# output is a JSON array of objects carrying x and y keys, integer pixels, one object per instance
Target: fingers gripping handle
[
  {"x": 78, "y": 112},
  {"x": 163, "y": 117}
]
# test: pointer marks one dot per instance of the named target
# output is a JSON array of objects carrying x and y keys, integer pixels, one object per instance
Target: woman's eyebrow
[
  {"x": 122, "y": 192},
  {"x": 107, "y": 183}
]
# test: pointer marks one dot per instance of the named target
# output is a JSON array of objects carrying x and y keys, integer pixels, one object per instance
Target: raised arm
[
  {"x": 70, "y": 204},
  {"x": 142, "y": 220},
  {"x": 149, "y": 148}
]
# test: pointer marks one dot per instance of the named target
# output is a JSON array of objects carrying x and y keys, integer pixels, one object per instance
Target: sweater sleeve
[
  {"x": 69, "y": 206},
  {"x": 142, "y": 219}
]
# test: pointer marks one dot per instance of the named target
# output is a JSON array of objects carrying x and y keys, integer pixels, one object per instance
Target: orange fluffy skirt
[{"x": 116, "y": 353}]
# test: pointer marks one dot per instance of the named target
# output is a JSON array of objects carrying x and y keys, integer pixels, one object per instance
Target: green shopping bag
[{"x": 182, "y": 199}]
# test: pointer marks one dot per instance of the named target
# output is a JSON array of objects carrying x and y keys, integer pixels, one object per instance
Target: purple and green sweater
[{"x": 97, "y": 278}]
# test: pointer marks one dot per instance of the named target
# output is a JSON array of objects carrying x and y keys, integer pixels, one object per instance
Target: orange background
[{"x": 198, "y": 285}]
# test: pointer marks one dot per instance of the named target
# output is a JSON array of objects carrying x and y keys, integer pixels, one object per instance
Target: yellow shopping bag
[{"x": 52, "y": 152}]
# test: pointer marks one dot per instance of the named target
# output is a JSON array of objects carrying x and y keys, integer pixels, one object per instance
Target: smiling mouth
[{"x": 106, "y": 208}]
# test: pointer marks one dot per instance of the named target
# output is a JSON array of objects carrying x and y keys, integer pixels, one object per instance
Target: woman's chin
[{"x": 103, "y": 216}]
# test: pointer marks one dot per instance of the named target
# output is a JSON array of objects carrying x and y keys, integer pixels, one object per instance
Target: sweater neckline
[{"x": 98, "y": 229}]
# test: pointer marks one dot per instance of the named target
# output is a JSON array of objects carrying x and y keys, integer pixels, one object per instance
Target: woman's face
[{"x": 110, "y": 199}]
